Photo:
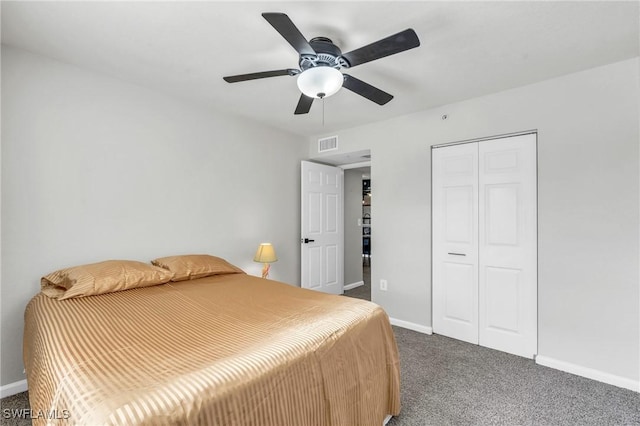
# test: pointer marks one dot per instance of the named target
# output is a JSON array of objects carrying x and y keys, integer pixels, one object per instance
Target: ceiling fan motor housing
[{"x": 327, "y": 54}]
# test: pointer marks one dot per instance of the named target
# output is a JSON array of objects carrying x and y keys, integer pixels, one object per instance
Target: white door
[
  {"x": 489, "y": 294},
  {"x": 455, "y": 242},
  {"x": 508, "y": 245},
  {"x": 322, "y": 238}
]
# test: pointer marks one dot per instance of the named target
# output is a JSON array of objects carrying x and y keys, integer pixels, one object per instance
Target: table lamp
[{"x": 265, "y": 254}]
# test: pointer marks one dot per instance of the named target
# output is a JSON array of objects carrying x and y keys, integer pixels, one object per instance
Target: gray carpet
[
  {"x": 14, "y": 402},
  {"x": 448, "y": 382}
]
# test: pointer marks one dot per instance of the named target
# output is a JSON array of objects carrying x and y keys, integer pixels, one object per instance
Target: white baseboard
[
  {"x": 13, "y": 388},
  {"x": 353, "y": 285},
  {"x": 411, "y": 326},
  {"x": 386, "y": 419},
  {"x": 589, "y": 373}
]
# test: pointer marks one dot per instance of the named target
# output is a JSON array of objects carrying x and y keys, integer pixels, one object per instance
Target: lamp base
[{"x": 265, "y": 270}]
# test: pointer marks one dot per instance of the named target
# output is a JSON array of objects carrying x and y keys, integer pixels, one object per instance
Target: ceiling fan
[{"x": 320, "y": 62}]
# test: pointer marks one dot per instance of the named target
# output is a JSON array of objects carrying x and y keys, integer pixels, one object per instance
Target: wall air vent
[{"x": 328, "y": 144}]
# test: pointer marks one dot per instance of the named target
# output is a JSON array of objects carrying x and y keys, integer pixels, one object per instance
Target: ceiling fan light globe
[{"x": 320, "y": 82}]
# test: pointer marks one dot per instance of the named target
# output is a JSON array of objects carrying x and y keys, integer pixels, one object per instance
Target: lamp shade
[
  {"x": 320, "y": 82},
  {"x": 265, "y": 254}
]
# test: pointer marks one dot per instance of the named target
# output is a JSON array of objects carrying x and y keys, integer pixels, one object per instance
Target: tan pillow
[
  {"x": 192, "y": 266},
  {"x": 102, "y": 277}
]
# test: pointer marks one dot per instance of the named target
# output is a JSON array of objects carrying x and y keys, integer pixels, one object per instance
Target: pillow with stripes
[{"x": 102, "y": 277}]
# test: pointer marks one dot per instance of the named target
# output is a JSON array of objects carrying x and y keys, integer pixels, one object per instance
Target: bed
[{"x": 224, "y": 349}]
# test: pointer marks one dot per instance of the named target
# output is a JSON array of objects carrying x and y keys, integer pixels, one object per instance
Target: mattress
[{"x": 221, "y": 350}]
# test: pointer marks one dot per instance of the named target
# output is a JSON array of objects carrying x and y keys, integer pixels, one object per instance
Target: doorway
[
  {"x": 357, "y": 168},
  {"x": 366, "y": 231},
  {"x": 358, "y": 232}
]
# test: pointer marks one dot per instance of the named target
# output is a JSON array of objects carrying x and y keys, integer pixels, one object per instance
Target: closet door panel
[
  {"x": 501, "y": 203},
  {"x": 503, "y": 299},
  {"x": 458, "y": 292},
  {"x": 508, "y": 245},
  {"x": 455, "y": 242}
]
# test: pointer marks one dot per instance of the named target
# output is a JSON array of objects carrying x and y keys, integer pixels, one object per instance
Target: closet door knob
[{"x": 457, "y": 254}]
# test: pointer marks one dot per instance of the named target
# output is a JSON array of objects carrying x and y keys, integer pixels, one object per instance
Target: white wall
[
  {"x": 588, "y": 178},
  {"x": 94, "y": 168},
  {"x": 352, "y": 232}
]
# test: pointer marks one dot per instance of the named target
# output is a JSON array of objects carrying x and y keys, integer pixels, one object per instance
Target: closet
[{"x": 484, "y": 246}]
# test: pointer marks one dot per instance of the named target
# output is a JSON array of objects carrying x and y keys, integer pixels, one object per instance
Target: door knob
[{"x": 307, "y": 241}]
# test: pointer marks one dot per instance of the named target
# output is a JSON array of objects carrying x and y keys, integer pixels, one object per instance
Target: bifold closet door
[
  {"x": 508, "y": 244},
  {"x": 485, "y": 243},
  {"x": 455, "y": 241}
]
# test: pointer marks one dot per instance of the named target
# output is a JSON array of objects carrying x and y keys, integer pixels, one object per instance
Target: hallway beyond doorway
[{"x": 364, "y": 291}]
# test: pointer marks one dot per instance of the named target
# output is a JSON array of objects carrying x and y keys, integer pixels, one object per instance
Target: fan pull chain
[{"x": 323, "y": 112}]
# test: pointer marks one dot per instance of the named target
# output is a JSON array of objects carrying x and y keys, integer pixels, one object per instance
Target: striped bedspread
[{"x": 221, "y": 350}]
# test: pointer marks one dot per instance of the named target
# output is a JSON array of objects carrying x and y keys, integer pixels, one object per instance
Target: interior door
[
  {"x": 455, "y": 241},
  {"x": 508, "y": 244},
  {"x": 322, "y": 233}
]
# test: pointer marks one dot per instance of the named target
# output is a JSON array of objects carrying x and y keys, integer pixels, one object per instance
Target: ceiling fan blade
[
  {"x": 404, "y": 40},
  {"x": 290, "y": 32},
  {"x": 304, "y": 104},
  {"x": 256, "y": 75},
  {"x": 364, "y": 89}
]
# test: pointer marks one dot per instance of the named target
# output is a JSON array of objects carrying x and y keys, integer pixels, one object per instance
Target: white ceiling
[{"x": 185, "y": 48}]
